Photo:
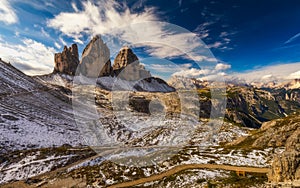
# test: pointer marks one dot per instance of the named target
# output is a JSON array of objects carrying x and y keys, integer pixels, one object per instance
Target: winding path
[{"x": 186, "y": 167}]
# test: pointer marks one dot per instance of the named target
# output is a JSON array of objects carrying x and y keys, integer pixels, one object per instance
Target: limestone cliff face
[
  {"x": 96, "y": 59},
  {"x": 127, "y": 66},
  {"x": 286, "y": 166},
  {"x": 124, "y": 58},
  {"x": 67, "y": 61},
  {"x": 282, "y": 133}
]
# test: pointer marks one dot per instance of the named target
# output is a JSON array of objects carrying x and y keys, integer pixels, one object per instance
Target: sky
[{"x": 249, "y": 39}]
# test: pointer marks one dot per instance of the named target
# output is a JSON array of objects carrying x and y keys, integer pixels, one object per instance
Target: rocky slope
[
  {"x": 252, "y": 106},
  {"x": 281, "y": 134},
  {"x": 246, "y": 105},
  {"x": 33, "y": 115}
]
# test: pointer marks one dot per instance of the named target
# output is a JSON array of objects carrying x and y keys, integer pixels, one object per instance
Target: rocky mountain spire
[
  {"x": 124, "y": 58},
  {"x": 96, "y": 59},
  {"x": 127, "y": 66},
  {"x": 67, "y": 61}
]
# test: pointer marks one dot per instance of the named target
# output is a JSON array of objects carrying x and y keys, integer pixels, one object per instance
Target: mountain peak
[
  {"x": 124, "y": 58},
  {"x": 95, "y": 60},
  {"x": 67, "y": 61}
]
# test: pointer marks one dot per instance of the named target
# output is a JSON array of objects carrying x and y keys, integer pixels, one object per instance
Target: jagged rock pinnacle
[{"x": 67, "y": 61}]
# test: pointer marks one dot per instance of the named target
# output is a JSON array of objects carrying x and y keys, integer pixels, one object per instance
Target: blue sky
[{"x": 248, "y": 38}]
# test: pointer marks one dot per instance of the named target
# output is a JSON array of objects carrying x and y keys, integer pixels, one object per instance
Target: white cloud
[
  {"x": 221, "y": 66},
  {"x": 268, "y": 76},
  {"x": 216, "y": 44},
  {"x": 74, "y": 6},
  {"x": 205, "y": 73},
  {"x": 112, "y": 19},
  {"x": 62, "y": 41},
  {"x": 44, "y": 33},
  {"x": 30, "y": 56},
  {"x": 192, "y": 72},
  {"x": 7, "y": 13},
  {"x": 279, "y": 72},
  {"x": 294, "y": 75}
]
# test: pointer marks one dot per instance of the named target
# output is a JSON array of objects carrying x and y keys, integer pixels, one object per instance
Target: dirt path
[{"x": 186, "y": 167}]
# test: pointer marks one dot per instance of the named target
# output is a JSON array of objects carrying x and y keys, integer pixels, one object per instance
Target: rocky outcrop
[
  {"x": 294, "y": 84},
  {"x": 285, "y": 167},
  {"x": 124, "y": 58},
  {"x": 127, "y": 66},
  {"x": 277, "y": 134},
  {"x": 280, "y": 133},
  {"x": 95, "y": 60},
  {"x": 67, "y": 61}
]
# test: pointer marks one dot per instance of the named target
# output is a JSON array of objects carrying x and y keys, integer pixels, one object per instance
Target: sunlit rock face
[
  {"x": 67, "y": 61},
  {"x": 286, "y": 166},
  {"x": 127, "y": 66},
  {"x": 95, "y": 60}
]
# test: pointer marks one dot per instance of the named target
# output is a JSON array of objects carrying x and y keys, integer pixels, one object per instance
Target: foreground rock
[
  {"x": 67, "y": 61},
  {"x": 286, "y": 167}
]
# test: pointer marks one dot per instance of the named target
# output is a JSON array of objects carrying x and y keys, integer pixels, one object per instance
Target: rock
[
  {"x": 67, "y": 61},
  {"x": 294, "y": 84},
  {"x": 127, "y": 66},
  {"x": 95, "y": 60},
  {"x": 124, "y": 58},
  {"x": 285, "y": 167}
]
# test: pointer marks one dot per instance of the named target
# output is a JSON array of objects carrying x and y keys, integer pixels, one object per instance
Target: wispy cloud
[
  {"x": 293, "y": 38},
  {"x": 168, "y": 68},
  {"x": 30, "y": 56},
  {"x": 214, "y": 31},
  {"x": 7, "y": 13},
  {"x": 57, "y": 45},
  {"x": 110, "y": 18}
]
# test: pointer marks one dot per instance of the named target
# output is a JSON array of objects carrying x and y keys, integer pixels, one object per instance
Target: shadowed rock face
[
  {"x": 96, "y": 59},
  {"x": 67, "y": 61}
]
